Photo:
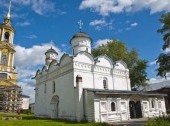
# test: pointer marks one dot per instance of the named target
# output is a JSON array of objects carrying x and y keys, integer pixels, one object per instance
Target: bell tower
[{"x": 7, "y": 49}]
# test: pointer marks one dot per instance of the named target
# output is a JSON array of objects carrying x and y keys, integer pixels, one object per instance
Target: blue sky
[{"x": 37, "y": 22}]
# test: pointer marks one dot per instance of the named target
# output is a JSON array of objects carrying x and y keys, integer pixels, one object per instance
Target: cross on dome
[
  {"x": 80, "y": 23},
  {"x": 51, "y": 43}
]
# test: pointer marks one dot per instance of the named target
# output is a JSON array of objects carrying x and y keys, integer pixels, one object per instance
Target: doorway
[
  {"x": 135, "y": 109},
  {"x": 55, "y": 106}
]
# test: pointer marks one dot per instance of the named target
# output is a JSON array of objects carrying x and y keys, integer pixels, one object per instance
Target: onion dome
[
  {"x": 81, "y": 35},
  {"x": 51, "y": 50}
]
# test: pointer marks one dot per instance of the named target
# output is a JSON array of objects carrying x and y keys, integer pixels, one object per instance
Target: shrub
[
  {"x": 168, "y": 111},
  {"x": 160, "y": 121}
]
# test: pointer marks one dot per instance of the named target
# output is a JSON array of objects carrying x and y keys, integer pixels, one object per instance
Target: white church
[{"x": 82, "y": 87}]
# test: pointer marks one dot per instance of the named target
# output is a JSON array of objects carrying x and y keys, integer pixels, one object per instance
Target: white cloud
[
  {"x": 27, "y": 61},
  {"x": 31, "y": 36},
  {"x": 130, "y": 25},
  {"x": 101, "y": 42},
  {"x": 38, "y": 6},
  {"x": 32, "y": 56},
  {"x": 26, "y": 23},
  {"x": 134, "y": 24},
  {"x": 152, "y": 63},
  {"x": 105, "y": 7},
  {"x": 101, "y": 23},
  {"x": 97, "y": 22}
]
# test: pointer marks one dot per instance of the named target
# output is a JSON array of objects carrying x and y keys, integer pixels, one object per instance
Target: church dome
[
  {"x": 51, "y": 50},
  {"x": 81, "y": 35}
]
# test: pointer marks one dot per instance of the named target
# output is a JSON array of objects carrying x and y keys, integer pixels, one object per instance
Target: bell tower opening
[{"x": 6, "y": 36}]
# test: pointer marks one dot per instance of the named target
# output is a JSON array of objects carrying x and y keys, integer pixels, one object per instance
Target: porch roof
[{"x": 124, "y": 92}]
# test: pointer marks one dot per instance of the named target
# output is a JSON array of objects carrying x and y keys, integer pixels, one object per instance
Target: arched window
[
  {"x": 113, "y": 107},
  {"x": 6, "y": 36},
  {"x": 105, "y": 83}
]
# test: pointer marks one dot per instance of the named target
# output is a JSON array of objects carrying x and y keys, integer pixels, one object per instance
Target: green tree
[
  {"x": 117, "y": 50},
  {"x": 164, "y": 58}
]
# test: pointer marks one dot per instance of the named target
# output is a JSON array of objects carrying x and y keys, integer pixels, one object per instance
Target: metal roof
[
  {"x": 81, "y": 34},
  {"x": 124, "y": 92},
  {"x": 51, "y": 50}
]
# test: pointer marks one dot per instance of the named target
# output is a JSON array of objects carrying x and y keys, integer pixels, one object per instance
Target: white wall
[{"x": 25, "y": 103}]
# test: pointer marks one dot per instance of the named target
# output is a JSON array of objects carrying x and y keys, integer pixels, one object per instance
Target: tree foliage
[
  {"x": 118, "y": 51},
  {"x": 164, "y": 58}
]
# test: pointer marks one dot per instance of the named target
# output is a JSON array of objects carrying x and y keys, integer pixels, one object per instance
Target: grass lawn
[{"x": 30, "y": 120}]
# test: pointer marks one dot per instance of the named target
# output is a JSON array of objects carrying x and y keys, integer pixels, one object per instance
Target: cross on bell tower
[{"x": 80, "y": 23}]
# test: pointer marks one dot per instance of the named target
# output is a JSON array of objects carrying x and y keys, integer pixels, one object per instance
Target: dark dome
[
  {"x": 81, "y": 34},
  {"x": 51, "y": 50}
]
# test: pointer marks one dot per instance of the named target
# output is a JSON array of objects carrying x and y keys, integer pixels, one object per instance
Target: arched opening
[
  {"x": 55, "y": 106},
  {"x": 6, "y": 36},
  {"x": 135, "y": 109},
  {"x": 113, "y": 106}
]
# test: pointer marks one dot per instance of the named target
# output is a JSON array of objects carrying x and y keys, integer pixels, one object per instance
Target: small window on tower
[
  {"x": 6, "y": 36},
  {"x": 87, "y": 49}
]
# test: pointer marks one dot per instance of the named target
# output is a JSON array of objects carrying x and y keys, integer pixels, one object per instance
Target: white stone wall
[
  {"x": 158, "y": 109},
  {"x": 72, "y": 104},
  {"x": 25, "y": 103},
  {"x": 94, "y": 73}
]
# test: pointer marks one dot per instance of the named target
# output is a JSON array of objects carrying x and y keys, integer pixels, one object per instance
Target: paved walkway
[{"x": 132, "y": 122}]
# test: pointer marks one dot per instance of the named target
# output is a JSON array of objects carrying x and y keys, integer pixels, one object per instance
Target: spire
[
  {"x": 80, "y": 23},
  {"x": 9, "y": 10}
]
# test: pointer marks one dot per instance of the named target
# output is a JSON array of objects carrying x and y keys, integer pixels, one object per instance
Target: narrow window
[
  {"x": 105, "y": 85},
  {"x": 53, "y": 86},
  {"x": 45, "y": 88},
  {"x": 113, "y": 107},
  {"x": 152, "y": 104}
]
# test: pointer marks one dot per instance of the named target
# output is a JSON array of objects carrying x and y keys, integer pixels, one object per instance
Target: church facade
[
  {"x": 83, "y": 87},
  {"x": 9, "y": 90}
]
